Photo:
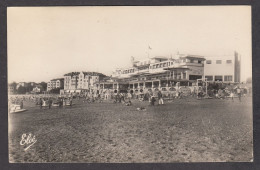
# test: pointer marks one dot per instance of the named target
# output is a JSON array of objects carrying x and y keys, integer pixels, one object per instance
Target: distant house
[
  {"x": 37, "y": 89},
  {"x": 11, "y": 89}
]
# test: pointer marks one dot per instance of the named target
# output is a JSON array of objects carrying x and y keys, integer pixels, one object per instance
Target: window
[
  {"x": 199, "y": 61},
  {"x": 229, "y": 61},
  {"x": 208, "y": 62},
  {"x": 209, "y": 78},
  {"x": 184, "y": 75},
  {"x": 218, "y": 78},
  {"x": 227, "y": 78},
  {"x": 218, "y": 61}
]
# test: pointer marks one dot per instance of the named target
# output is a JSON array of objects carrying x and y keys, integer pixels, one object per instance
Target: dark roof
[
  {"x": 86, "y": 73},
  {"x": 194, "y": 56},
  {"x": 72, "y": 74},
  {"x": 57, "y": 79},
  {"x": 93, "y": 73},
  {"x": 160, "y": 57}
]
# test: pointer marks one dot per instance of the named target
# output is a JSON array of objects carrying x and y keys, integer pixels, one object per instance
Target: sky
[{"x": 44, "y": 43}]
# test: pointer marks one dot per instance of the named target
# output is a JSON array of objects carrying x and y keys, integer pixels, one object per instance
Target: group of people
[
  {"x": 59, "y": 101},
  {"x": 126, "y": 96}
]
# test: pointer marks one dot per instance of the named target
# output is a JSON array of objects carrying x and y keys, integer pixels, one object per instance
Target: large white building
[
  {"x": 81, "y": 81},
  {"x": 157, "y": 72},
  {"x": 223, "y": 68},
  {"x": 180, "y": 67}
]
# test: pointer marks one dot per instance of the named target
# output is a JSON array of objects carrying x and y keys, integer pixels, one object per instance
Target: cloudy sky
[{"x": 47, "y": 42}]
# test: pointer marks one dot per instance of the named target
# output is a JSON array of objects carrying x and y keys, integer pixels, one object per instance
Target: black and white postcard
[{"x": 129, "y": 84}]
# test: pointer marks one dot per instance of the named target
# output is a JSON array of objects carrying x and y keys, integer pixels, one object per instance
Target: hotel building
[
  {"x": 81, "y": 81},
  {"x": 157, "y": 72},
  {"x": 180, "y": 70}
]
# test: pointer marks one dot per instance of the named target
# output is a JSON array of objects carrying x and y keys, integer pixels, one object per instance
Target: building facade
[
  {"x": 180, "y": 70},
  {"x": 80, "y": 81},
  {"x": 158, "y": 72},
  {"x": 223, "y": 69},
  {"x": 55, "y": 83},
  {"x": 37, "y": 89}
]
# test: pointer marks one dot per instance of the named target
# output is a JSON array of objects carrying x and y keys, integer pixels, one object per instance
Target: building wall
[
  {"x": 157, "y": 66},
  {"x": 229, "y": 66},
  {"x": 56, "y": 83},
  {"x": 67, "y": 82}
]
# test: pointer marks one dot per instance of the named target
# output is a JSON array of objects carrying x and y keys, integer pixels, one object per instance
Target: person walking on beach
[
  {"x": 160, "y": 98},
  {"x": 50, "y": 103},
  {"x": 232, "y": 95},
  {"x": 129, "y": 96},
  {"x": 239, "y": 93},
  {"x": 60, "y": 102},
  {"x": 40, "y": 103}
]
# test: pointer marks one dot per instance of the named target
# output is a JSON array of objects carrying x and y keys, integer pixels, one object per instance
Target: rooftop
[{"x": 85, "y": 73}]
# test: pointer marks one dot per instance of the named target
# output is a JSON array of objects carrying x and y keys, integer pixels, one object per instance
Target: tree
[
  {"x": 29, "y": 88},
  {"x": 55, "y": 91},
  {"x": 14, "y": 84},
  {"x": 21, "y": 90},
  {"x": 44, "y": 85}
]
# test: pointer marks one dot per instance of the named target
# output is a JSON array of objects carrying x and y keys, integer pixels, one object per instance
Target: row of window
[
  {"x": 177, "y": 61},
  {"x": 159, "y": 65},
  {"x": 219, "y": 78},
  {"x": 151, "y": 67},
  {"x": 218, "y": 61}
]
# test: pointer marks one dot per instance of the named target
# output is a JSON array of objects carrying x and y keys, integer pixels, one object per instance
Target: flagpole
[{"x": 149, "y": 48}]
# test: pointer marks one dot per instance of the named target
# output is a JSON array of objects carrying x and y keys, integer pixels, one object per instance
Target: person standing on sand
[
  {"x": 60, "y": 102},
  {"x": 129, "y": 96},
  {"x": 40, "y": 103},
  {"x": 50, "y": 103},
  {"x": 232, "y": 95},
  {"x": 160, "y": 98},
  {"x": 70, "y": 101},
  {"x": 152, "y": 100},
  {"x": 21, "y": 104},
  {"x": 239, "y": 93}
]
